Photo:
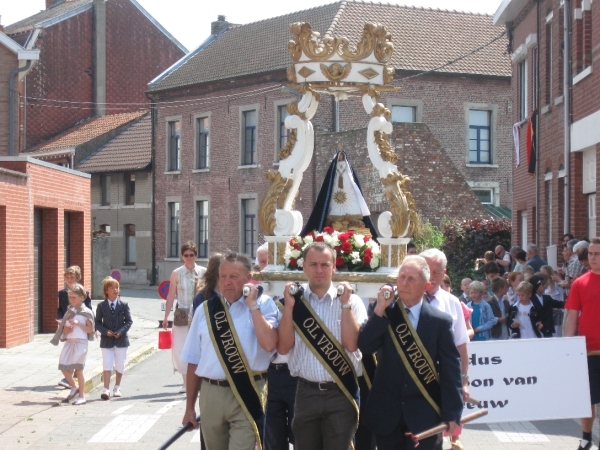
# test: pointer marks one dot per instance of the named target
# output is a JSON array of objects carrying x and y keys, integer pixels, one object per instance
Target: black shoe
[{"x": 588, "y": 446}]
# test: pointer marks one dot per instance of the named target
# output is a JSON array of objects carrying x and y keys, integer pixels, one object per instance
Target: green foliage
[
  {"x": 467, "y": 240},
  {"x": 427, "y": 235}
]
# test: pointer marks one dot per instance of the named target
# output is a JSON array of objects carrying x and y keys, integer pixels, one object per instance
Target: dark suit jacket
[
  {"x": 120, "y": 322},
  {"x": 535, "y": 315},
  {"x": 537, "y": 262},
  {"x": 394, "y": 395},
  {"x": 547, "y": 312},
  {"x": 63, "y": 302}
]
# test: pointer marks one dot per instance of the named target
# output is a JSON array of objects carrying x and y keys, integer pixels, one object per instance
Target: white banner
[{"x": 529, "y": 379}]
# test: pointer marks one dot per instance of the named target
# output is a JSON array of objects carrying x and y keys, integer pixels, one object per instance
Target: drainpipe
[
  {"x": 11, "y": 106},
  {"x": 536, "y": 106},
  {"x": 567, "y": 112},
  {"x": 154, "y": 275}
]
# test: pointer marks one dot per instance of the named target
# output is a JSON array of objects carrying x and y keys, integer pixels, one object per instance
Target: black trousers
[
  {"x": 363, "y": 439},
  {"x": 399, "y": 441},
  {"x": 280, "y": 408}
]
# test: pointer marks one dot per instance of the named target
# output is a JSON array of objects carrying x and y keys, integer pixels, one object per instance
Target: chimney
[
  {"x": 220, "y": 25},
  {"x": 51, "y": 3},
  {"x": 1, "y": 26},
  {"x": 99, "y": 55}
]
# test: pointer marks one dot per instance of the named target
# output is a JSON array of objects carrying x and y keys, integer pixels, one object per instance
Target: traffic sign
[
  {"x": 163, "y": 289},
  {"x": 116, "y": 274}
]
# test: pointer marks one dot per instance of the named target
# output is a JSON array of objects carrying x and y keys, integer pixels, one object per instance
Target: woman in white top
[
  {"x": 183, "y": 287},
  {"x": 77, "y": 327}
]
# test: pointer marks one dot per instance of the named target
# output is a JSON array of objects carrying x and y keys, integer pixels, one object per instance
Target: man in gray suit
[{"x": 418, "y": 382}]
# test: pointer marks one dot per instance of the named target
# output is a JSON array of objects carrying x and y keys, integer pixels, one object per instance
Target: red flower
[
  {"x": 351, "y": 233},
  {"x": 311, "y": 234},
  {"x": 337, "y": 248},
  {"x": 319, "y": 239},
  {"x": 367, "y": 259},
  {"x": 367, "y": 239},
  {"x": 368, "y": 251},
  {"x": 328, "y": 230},
  {"x": 339, "y": 261},
  {"x": 293, "y": 262},
  {"x": 344, "y": 236},
  {"x": 297, "y": 247},
  {"x": 346, "y": 246}
]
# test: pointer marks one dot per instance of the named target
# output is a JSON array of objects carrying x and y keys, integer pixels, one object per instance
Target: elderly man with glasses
[{"x": 502, "y": 259}]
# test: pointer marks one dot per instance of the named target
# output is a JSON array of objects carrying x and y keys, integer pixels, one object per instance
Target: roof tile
[
  {"x": 45, "y": 15},
  {"x": 130, "y": 150},
  {"x": 424, "y": 39}
]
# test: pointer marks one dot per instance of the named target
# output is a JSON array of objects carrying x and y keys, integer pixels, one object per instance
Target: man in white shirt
[
  {"x": 224, "y": 423},
  {"x": 324, "y": 416},
  {"x": 448, "y": 303}
]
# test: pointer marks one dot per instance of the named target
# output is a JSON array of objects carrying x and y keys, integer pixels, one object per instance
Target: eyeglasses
[{"x": 189, "y": 255}]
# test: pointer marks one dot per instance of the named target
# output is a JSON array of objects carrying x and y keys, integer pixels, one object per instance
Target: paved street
[{"x": 151, "y": 409}]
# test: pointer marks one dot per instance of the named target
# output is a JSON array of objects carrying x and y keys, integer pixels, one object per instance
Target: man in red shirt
[{"x": 583, "y": 316}]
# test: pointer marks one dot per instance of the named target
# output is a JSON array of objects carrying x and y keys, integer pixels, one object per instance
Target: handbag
[{"x": 181, "y": 317}]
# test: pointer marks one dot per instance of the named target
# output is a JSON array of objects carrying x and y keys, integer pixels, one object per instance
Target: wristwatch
[
  {"x": 465, "y": 376},
  {"x": 347, "y": 306},
  {"x": 255, "y": 307}
]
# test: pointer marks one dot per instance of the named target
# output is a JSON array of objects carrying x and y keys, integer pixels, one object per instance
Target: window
[
  {"x": 549, "y": 60},
  {"x": 130, "y": 256},
  {"x": 174, "y": 145},
  {"x": 202, "y": 125},
  {"x": 592, "y": 215},
  {"x": 173, "y": 230},
  {"x": 550, "y": 213},
  {"x": 404, "y": 113},
  {"x": 282, "y": 132},
  {"x": 249, "y": 138},
  {"x": 105, "y": 227},
  {"x": 522, "y": 90},
  {"x": 105, "y": 190},
  {"x": 129, "y": 188},
  {"x": 67, "y": 239},
  {"x": 249, "y": 236},
  {"x": 480, "y": 137},
  {"x": 202, "y": 239},
  {"x": 485, "y": 196},
  {"x": 524, "y": 234}
]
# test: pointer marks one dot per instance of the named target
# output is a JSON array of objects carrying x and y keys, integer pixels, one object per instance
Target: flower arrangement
[{"x": 355, "y": 252}]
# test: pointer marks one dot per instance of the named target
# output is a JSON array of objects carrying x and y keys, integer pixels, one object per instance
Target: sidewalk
[{"x": 29, "y": 373}]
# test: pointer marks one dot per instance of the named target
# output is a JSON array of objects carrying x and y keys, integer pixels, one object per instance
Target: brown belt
[{"x": 225, "y": 383}]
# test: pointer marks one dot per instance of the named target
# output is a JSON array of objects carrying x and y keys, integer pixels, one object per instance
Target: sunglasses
[{"x": 189, "y": 255}]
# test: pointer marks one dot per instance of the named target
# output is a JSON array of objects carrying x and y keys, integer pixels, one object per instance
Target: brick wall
[{"x": 54, "y": 191}]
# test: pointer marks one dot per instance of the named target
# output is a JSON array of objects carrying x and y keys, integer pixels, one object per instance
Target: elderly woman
[{"x": 183, "y": 287}]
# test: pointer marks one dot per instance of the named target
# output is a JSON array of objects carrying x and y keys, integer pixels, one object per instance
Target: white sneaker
[
  {"x": 72, "y": 394},
  {"x": 182, "y": 390},
  {"x": 79, "y": 401},
  {"x": 117, "y": 391},
  {"x": 105, "y": 395}
]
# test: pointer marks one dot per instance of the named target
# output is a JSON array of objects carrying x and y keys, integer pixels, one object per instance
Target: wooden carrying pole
[{"x": 443, "y": 427}]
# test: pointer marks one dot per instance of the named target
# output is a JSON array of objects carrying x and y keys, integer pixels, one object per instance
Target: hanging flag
[
  {"x": 517, "y": 139},
  {"x": 532, "y": 143}
]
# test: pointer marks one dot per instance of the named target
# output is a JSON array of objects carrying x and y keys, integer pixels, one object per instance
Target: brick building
[
  {"x": 44, "y": 227},
  {"x": 219, "y": 121},
  {"x": 561, "y": 85},
  {"x": 95, "y": 55}
]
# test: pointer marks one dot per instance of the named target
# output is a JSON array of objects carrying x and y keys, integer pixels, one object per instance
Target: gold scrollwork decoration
[
  {"x": 291, "y": 74},
  {"x": 380, "y": 110},
  {"x": 286, "y": 150},
  {"x": 292, "y": 108},
  {"x": 309, "y": 42},
  {"x": 395, "y": 192},
  {"x": 336, "y": 72},
  {"x": 375, "y": 39},
  {"x": 388, "y": 74},
  {"x": 274, "y": 199},
  {"x": 385, "y": 149}
]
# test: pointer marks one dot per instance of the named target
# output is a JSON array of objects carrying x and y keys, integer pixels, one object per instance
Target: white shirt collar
[
  {"x": 331, "y": 292},
  {"x": 415, "y": 310}
]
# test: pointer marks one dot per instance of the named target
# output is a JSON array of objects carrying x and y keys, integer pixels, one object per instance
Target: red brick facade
[
  {"x": 553, "y": 174},
  {"x": 137, "y": 51},
  {"x": 26, "y": 186}
]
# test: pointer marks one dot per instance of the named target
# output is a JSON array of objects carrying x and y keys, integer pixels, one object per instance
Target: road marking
[
  {"x": 122, "y": 409},
  {"x": 168, "y": 406},
  {"x": 517, "y": 432},
  {"x": 125, "y": 428}
]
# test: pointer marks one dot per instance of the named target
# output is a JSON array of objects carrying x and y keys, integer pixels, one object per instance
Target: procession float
[{"x": 367, "y": 259}]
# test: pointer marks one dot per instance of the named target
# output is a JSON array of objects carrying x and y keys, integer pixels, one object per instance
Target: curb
[{"x": 95, "y": 379}]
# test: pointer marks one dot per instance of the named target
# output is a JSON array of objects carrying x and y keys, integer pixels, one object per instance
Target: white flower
[
  {"x": 374, "y": 263},
  {"x": 355, "y": 257},
  {"x": 296, "y": 254},
  {"x": 308, "y": 240},
  {"x": 330, "y": 240},
  {"x": 359, "y": 240},
  {"x": 300, "y": 262}
]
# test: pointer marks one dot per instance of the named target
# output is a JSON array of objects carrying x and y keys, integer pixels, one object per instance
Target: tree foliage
[
  {"x": 467, "y": 240},
  {"x": 427, "y": 235}
]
